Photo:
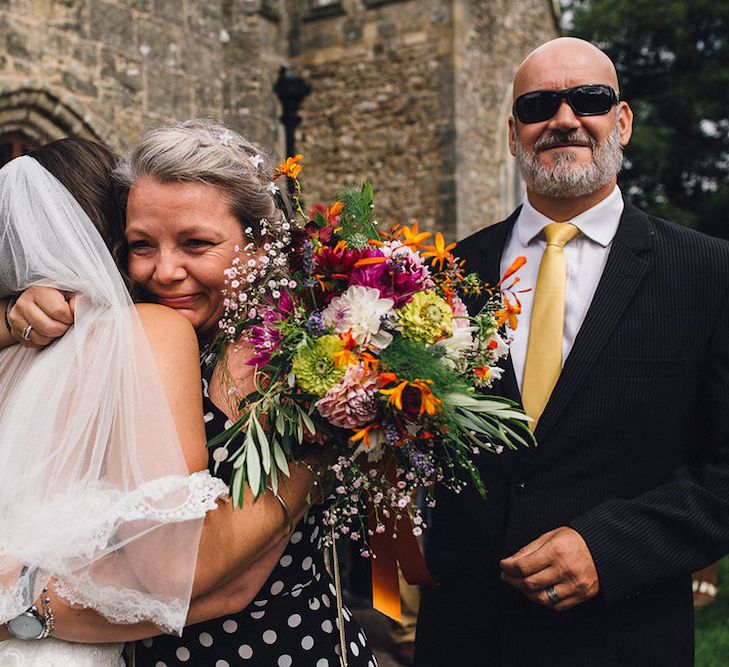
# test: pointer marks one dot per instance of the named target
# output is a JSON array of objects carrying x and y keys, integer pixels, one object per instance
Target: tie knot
[{"x": 560, "y": 233}]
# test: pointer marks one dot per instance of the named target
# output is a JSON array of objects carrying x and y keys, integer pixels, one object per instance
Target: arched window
[{"x": 12, "y": 145}]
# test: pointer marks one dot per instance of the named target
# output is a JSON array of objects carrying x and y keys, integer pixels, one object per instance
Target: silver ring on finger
[
  {"x": 25, "y": 335},
  {"x": 552, "y": 595}
]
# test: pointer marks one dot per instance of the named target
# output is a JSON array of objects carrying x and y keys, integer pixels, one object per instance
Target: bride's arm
[{"x": 232, "y": 539}]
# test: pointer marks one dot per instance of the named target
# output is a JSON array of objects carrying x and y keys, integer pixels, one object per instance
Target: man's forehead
[{"x": 563, "y": 64}]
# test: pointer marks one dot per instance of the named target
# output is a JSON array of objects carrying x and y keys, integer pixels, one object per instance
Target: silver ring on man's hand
[
  {"x": 552, "y": 594},
  {"x": 26, "y": 332}
]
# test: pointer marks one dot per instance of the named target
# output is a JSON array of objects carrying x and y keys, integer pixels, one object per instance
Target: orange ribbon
[{"x": 389, "y": 552}]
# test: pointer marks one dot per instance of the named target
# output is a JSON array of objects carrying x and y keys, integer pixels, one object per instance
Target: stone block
[
  {"x": 158, "y": 42},
  {"x": 111, "y": 25},
  {"x": 168, "y": 94},
  {"x": 120, "y": 70},
  {"x": 63, "y": 14}
]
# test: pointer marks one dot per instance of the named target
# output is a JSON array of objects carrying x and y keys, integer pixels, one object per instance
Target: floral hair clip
[
  {"x": 257, "y": 161},
  {"x": 226, "y": 138}
]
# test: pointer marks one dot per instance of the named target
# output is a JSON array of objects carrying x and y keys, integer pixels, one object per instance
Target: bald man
[{"x": 582, "y": 551}]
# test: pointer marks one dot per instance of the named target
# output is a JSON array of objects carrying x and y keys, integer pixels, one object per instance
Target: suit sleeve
[{"x": 682, "y": 525}]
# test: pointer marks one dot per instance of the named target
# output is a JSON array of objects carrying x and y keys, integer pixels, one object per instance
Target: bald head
[{"x": 562, "y": 63}]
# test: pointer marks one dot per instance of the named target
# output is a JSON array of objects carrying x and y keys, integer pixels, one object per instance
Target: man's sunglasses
[{"x": 594, "y": 99}]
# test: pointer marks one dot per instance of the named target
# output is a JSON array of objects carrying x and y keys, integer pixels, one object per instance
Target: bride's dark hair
[{"x": 85, "y": 169}]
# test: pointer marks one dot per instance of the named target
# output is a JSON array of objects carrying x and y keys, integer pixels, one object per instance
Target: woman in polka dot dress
[{"x": 292, "y": 622}]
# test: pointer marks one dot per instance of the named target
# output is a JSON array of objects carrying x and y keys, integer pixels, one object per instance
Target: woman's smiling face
[{"x": 182, "y": 237}]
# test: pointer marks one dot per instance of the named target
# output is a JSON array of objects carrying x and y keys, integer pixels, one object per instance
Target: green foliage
[
  {"x": 672, "y": 59},
  {"x": 411, "y": 360},
  {"x": 356, "y": 226}
]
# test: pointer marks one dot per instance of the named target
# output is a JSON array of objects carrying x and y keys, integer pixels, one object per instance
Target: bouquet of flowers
[{"x": 363, "y": 345}]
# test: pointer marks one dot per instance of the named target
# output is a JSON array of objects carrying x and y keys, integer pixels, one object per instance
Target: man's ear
[
  {"x": 625, "y": 119},
  {"x": 512, "y": 135}
]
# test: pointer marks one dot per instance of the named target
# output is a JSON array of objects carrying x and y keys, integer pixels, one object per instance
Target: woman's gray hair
[{"x": 204, "y": 151}]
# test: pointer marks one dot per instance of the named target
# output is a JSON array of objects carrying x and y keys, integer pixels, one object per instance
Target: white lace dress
[{"x": 55, "y": 653}]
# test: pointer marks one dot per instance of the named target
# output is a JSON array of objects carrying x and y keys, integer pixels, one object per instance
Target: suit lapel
[
  {"x": 623, "y": 273},
  {"x": 492, "y": 248}
]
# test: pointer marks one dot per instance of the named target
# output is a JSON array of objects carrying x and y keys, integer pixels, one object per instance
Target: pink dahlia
[{"x": 352, "y": 402}]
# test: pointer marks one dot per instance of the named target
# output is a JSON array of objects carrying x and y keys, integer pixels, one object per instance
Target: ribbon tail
[
  {"x": 410, "y": 557},
  {"x": 385, "y": 584}
]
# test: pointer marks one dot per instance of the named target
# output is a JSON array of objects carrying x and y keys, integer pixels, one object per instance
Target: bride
[{"x": 103, "y": 488}]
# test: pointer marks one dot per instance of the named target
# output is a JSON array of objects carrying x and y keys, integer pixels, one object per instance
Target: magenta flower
[
  {"x": 401, "y": 276},
  {"x": 266, "y": 337}
]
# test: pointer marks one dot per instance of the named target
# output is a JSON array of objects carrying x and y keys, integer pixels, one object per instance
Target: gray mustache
[{"x": 555, "y": 138}]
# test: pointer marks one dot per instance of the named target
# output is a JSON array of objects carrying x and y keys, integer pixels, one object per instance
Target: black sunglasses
[{"x": 593, "y": 99}]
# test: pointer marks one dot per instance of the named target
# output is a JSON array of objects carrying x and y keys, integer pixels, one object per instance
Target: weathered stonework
[
  {"x": 124, "y": 65},
  {"x": 412, "y": 93},
  {"x": 415, "y": 94}
]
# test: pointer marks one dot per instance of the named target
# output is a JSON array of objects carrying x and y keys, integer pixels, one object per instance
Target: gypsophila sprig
[{"x": 364, "y": 348}]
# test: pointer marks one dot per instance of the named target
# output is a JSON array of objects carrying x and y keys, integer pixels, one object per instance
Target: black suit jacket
[{"x": 633, "y": 452}]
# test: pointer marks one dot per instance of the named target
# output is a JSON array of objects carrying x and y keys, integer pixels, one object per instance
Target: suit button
[{"x": 520, "y": 487}]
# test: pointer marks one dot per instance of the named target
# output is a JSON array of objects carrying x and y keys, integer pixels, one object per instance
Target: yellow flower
[{"x": 426, "y": 318}]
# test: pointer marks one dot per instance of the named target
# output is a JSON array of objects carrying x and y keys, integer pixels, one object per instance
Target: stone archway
[{"x": 42, "y": 116}]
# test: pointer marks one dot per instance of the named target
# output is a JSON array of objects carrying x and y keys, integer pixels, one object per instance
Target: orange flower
[
  {"x": 369, "y": 362},
  {"x": 289, "y": 167},
  {"x": 394, "y": 395},
  {"x": 348, "y": 339},
  {"x": 363, "y": 435},
  {"x": 515, "y": 266},
  {"x": 440, "y": 252},
  {"x": 333, "y": 211},
  {"x": 386, "y": 378},
  {"x": 428, "y": 402},
  {"x": 509, "y": 313},
  {"x": 483, "y": 373},
  {"x": 368, "y": 261},
  {"x": 412, "y": 235},
  {"x": 344, "y": 358}
]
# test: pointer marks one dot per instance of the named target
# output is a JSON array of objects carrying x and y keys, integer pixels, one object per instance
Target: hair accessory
[
  {"x": 257, "y": 161},
  {"x": 226, "y": 138},
  {"x": 272, "y": 188}
]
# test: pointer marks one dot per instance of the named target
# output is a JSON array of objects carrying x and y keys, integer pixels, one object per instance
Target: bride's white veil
[{"x": 94, "y": 490}]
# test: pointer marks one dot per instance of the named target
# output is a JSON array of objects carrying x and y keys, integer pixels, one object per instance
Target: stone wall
[
  {"x": 119, "y": 66},
  {"x": 381, "y": 106},
  {"x": 492, "y": 38},
  {"x": 413, "y": 93}
]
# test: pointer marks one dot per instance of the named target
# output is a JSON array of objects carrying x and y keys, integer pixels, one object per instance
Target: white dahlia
[{"x": 360, "y": 310}]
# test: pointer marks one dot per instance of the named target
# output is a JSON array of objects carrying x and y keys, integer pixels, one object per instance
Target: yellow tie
[{"x": 544, "y": 353}]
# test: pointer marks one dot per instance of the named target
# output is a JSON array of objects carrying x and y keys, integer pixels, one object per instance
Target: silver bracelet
[{"x": 49, "y": 620}]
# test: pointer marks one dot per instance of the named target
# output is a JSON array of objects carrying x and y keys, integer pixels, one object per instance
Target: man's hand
[
  {"x": 48, "y": 312},
  {"x": 559, "y": 558}
]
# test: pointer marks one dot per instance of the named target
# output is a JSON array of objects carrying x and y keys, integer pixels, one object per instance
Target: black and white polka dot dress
[{"x": 292, "y": 623}]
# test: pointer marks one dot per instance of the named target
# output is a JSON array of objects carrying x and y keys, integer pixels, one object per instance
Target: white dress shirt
[{"x": 586, "y": 256}]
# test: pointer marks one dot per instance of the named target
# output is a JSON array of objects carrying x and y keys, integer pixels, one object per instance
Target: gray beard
[{"x": 565, "y": 178}]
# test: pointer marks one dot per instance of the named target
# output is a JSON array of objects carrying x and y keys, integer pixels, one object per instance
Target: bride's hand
[{"x": 47, "y": 311}]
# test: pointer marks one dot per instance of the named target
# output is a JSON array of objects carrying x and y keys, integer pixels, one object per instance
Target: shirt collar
[{"x": 599, "y": 223}]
